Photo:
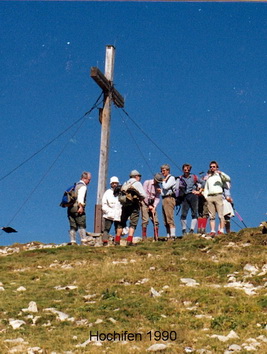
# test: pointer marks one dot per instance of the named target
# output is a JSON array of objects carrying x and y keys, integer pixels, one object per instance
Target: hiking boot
[
  {"x": 169, "y": 239},
  {"x": 191, "y": 231},
  {"x": 130, "y": 243},
  {"x": 72, "y": 244},
  {"x": 211, "y": 234},
  {"x": 183, "y": 232}
]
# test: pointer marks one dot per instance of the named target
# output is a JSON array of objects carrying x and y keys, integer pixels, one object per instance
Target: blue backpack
[{"x": 69, "y": 197}]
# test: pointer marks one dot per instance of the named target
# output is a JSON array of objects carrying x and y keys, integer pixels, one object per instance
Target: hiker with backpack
[
  {"x": 149, "y": 205},
  {"x": 190, "y": 201},
  {"x": 111, "y": 208},
  {"x": 76, "y": 210},
  {"x": 131, "y": 195},
  {"x": 168, "y": 200},
  {"x": 213, "y": 192}
]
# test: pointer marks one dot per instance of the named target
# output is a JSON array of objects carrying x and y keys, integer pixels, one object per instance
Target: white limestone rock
[
  {"x": 250, "y": 269},
  {"x": 16, "y": 323},
  {"x": 189, "y": 282},
  {"x": 31, "y": 308},
  {"x": 157, "y": 347},
  {"x": 61, "y": 316},
  {"x": 154, "y": 293}
]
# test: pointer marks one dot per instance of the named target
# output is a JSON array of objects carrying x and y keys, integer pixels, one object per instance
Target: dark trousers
[
  {"x": 107, "y": 226},
  {"x": 131, "y": 212},
  {"x": 76, "y": 220},
  {"x": 190, "y": 202}
]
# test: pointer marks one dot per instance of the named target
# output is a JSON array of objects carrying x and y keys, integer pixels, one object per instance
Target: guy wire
[
  {"x": 56, "y": 159},
  {"x": 145, "y": 160},
  {"x": 148, "y": 137},
  {"x": 51, "y": 141}
]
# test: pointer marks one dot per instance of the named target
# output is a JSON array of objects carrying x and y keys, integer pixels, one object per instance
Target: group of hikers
[{"x": 205, "y": 196}]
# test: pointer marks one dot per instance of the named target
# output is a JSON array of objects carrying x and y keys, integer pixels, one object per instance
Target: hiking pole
[
  {"x": 232, "y": 220},
  {"x": 239, "y": 217},
  {"x": 155, "y": 228}
]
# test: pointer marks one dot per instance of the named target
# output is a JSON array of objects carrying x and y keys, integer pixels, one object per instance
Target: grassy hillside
[{"x": 192, "y": 295}]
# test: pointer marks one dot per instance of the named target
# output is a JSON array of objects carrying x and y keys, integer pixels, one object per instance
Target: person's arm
[
  {"x": 140, "y": 189},
  {"x": 81, "y": 199},
  {"x": 224, "y": 177}
]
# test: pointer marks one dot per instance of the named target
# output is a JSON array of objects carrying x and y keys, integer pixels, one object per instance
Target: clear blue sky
[{"x": 193, "y": 76}]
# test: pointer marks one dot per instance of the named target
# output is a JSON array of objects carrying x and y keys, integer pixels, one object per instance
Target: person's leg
[
  {"x": 81, "y": 222},
  {"x": 73, "y": 226},
  {"x": 145, "y": 219},
  {"x": 184, "y": 212},
  {"x": 121, "y": 224},
  {"x": 107, "y": 226},
  {"x": 72, "y": 233},
  {"x": 165, "y": 217},
  {"x": 219, "y": 208},
  {"x": 193, "y": 202},
  {"x": 134, "y": 217},
  {"x": 227, "y": 223},
  {"x": 169, "y": 210},
  {"x": 212, "y": 214}
]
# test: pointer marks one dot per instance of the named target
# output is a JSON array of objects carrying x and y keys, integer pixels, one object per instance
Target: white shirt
[{"x": 81, "y": 193}]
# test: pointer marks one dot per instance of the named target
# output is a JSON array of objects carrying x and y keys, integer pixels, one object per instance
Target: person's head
[
  {"x": 213, "y": 166},
  {"x": 86, "y": 177},
  {"x": 114, "y": 182},
  {"x": 135, "y": 174},
  {"x": 165, "y": 169},
  {"x": 186, "y": 167},
  {"x": 158, "y": 177}
]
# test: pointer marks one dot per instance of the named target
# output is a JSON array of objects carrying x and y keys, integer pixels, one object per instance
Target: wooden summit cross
[{"x": 110, "y": 95}]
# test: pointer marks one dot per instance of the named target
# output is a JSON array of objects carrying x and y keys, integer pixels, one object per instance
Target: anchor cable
[
  {"x": 51, "y": 141},
  {"x": 82, "y": 120}
]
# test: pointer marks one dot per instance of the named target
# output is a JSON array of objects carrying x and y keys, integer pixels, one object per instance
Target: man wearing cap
[
  {"x": 111, "y": 208},
  {"x": 131, "y": 210},
  {"x": 150, "y": 203}
]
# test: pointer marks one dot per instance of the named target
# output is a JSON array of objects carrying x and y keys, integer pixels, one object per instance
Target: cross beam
[
  {"x": 107, "y": 86},
  {"x": 105, "y": 82}
]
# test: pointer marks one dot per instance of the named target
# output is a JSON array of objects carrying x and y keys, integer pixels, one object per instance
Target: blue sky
[{"x": 194, "y": 80}]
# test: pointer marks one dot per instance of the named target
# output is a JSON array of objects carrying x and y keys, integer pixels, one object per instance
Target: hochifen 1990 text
[{"x": 130, "y": 336}]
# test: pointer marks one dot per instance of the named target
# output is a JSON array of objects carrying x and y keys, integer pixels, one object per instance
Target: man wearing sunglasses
[{"x": 213, "y": 192}]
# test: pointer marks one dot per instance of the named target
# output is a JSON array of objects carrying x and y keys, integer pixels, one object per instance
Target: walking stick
[
  {"x": 239, "y": 217},
  {"x": 155, "y": 228}
]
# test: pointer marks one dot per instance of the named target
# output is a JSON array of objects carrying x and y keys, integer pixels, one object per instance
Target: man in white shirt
[
  {"x": 213, "y": 192},
  {"x": 168, "y": 200},
  {"x": 76, "y": 212}
]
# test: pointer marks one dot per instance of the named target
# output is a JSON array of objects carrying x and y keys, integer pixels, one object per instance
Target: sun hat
[
  {"x": 135, "y": 173},
  {"x": 114, "y": 179},
  {"x": 158, "y": 177}
]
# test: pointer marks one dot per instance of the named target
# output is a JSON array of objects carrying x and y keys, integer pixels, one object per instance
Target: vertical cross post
[{"x": 110, "y": 95}]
